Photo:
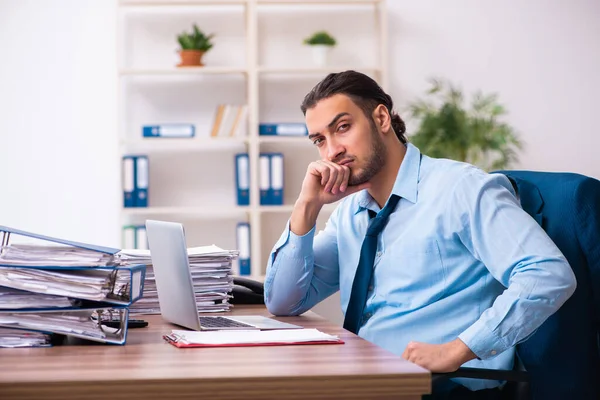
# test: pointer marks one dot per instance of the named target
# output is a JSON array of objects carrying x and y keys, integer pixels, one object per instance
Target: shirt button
[{"x": 493, "y": 352}]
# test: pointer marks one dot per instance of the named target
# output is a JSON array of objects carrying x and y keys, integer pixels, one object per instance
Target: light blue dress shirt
[{"x": 458, "y": 258}]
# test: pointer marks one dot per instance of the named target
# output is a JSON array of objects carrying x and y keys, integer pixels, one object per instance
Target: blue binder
[
  {"x": 283, "y": 129},
  {"x": 243, "y": 244},
  {"x": 264, "y": 184},
  {"x": 141, "y": 238},
  {"x": 142, "y": 176},
  {"x": 128, "y": 181},
  {"x": 98, "y": 315},
  {"x": 242, "y": 179},
  {"x": 277, "y": 179},
  {"x": 126, "y": 284},
  {"x": 128, "y": 237},
  {"x": 169, "y": 131},
  {"x": 271, "y": 179}
]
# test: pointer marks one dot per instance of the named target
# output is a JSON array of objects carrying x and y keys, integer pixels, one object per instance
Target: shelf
[
  {"x": 225, "y": 2},
  {"x": 208, "y": 212},
  {"x": 285, "y": 139},
  {"x": 180, "y": 2},
  {"x": 253, "y": 66},
  {"x": 288, "y": 208},
  {"x": 211, "y": 212},
  {"x": 315, "y": 70},
  {"x": 184, "y": 71},
  {"x": 160, "y": 145},
  {"x": 313, "y": 2}
]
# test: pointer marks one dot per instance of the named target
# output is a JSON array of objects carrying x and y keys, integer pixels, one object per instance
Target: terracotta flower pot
[{"x": 191, "y": 58}]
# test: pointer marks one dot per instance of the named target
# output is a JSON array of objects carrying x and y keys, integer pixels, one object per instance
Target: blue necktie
[{"x": 362, "y": 279}]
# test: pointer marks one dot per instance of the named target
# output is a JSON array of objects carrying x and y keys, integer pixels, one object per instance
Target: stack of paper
[
  {"x": 232, "y": 338},
  {"x": 11, "y": 299},
  {"x": 212, "y": 277},
  {"x": 89, "y": 284},
  {"x": 148, "y": 304},
  {"x": 20, "y": 338},
  {"x": 60, "y": 256}
]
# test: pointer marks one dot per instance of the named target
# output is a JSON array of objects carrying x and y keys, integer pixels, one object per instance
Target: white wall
[
  {"x": 541, "y": 56},
  {"x": 58, "y": 153},
  {"x": 58, "y": 144}
]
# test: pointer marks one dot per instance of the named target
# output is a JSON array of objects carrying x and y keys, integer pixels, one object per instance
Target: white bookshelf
[
  {"x": 258, "y": 60},
  {"x": 184, "y": 71}
]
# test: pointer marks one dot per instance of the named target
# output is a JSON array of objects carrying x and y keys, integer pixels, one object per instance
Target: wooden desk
[{"x": 149, "y": 368}]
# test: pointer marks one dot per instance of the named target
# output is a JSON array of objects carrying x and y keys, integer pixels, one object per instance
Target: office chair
[{"x": 562, "y": 358}]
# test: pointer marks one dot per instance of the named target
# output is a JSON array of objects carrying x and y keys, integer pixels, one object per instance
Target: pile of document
[
  {"x": 276, "y": 337},
  {"x": 212, "y": 277},
  {"x": 63, "y": 288},
  {"x": 23, "y": 338}
]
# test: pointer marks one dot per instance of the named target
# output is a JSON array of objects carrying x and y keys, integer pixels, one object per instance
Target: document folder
[
  {"x": 128, "y": 181},
  {"x": 242, "y": 178},
  {"x": 83, "y": 323},
  {"x": 104, "y": 279},
  {"x": 242, "y": 338}
]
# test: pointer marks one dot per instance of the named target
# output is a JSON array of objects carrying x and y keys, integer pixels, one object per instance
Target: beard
[{"x": 373, "y": 164}]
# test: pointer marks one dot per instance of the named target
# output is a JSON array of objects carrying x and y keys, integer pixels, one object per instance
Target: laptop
[{"x": 175, "y": 289}]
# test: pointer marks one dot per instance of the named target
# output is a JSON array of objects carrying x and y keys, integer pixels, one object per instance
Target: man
[{"x": 460, "y": 273}]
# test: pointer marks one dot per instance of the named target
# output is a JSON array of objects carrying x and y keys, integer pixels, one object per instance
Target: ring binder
[
  {"x": 83, "y": 323},
  {"x": 114, "y": 283}
]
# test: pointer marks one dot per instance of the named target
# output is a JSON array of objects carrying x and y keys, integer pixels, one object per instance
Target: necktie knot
[{"x": 377, "y": 223}]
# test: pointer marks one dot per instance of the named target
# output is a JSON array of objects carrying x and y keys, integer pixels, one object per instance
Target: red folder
[
  {"x": 183, "y": 339},
  {"x": 181, "y": 345}
]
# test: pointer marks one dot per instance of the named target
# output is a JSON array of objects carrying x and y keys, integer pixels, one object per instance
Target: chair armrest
[{"x": 482, "y": 373}]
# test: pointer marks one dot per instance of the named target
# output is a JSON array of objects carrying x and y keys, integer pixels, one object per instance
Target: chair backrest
[{"x": 563, "y": 355}]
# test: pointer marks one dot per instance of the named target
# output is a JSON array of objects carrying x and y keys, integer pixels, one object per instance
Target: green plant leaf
[
  {"x": 320, "y": 37},
  {"x": 448, "y": 129},
  {"x": 196, "y": 40}
]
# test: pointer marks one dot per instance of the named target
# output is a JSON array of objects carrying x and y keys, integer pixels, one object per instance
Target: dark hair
[{"x": 362, "y": 89}]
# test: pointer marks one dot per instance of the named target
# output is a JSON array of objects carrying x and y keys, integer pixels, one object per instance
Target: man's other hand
[{"x": 447, "y": 357}]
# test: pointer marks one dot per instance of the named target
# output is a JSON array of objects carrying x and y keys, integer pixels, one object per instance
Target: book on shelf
[
  {"x": 243, "y": 244},
  {"x": 170, "y": 130},
  {"x": 135, "y": 180},
  {"x": 230, "y": 121},
  {"x": 271, "y": 180},
  {"x": 242, "y": 179},
  {"x": 283, "y": 129},
  {"x": 134, "y": 237}
]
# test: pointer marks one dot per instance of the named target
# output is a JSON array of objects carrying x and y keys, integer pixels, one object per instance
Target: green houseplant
[
  {"x": 321, "y": 43},
  {"x": 193, "y": 47},
  {"x": 449, "y": 129}
]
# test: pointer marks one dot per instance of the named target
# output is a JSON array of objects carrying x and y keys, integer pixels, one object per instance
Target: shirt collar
[{"x": 406, "y": 185}]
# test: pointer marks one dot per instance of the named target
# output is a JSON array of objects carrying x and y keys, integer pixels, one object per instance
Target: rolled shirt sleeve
[{"x": 519, "y": 254}]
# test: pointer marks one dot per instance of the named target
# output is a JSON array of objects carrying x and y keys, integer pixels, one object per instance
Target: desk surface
[{"x": 149, "y": 368}]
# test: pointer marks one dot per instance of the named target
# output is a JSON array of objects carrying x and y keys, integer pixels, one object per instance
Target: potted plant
[
  {"x": 321, "y": 43},
  {"x": 193, "y": 47},
  {"x": 448, "y": 129}
]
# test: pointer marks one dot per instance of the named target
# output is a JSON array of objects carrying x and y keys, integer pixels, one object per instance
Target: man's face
[{"x": 345, "y": 136}]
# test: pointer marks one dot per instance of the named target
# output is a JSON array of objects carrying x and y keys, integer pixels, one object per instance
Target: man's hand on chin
[{"x": 447, "y": 357}]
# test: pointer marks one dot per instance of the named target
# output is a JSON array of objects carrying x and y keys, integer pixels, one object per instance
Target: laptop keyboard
[{"x": 221, "y": 322}]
